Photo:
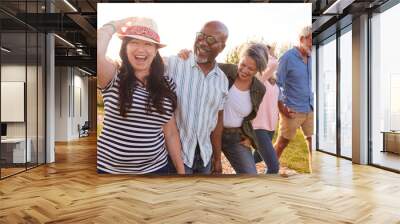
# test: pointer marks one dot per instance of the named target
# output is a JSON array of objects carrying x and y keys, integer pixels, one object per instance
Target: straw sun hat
[{"x": 143, "y": 29}]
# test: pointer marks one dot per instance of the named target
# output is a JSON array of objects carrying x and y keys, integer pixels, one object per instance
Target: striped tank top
[{"x": 133, "y": 144}]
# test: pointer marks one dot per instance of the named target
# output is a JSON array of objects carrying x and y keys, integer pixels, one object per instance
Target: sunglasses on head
[{"x": 209, "y": 39}]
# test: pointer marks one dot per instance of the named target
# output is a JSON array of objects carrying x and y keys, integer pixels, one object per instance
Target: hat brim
[{"x": 121, "y": 36}]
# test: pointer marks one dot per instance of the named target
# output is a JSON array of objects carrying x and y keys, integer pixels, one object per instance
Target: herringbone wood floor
[{"x": 70, "y": 191}]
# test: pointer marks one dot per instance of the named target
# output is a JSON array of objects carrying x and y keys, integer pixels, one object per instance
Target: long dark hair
[{"x": 157, "y": 85}]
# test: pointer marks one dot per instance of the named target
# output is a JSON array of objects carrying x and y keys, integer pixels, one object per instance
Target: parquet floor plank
[{"x": 70, "y": 191}]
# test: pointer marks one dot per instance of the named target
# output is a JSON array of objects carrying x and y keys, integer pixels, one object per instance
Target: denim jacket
[{"x": 257, "y": 91}]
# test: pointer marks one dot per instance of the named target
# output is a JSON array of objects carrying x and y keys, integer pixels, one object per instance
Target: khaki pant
[{"x": 288, "y": 126}]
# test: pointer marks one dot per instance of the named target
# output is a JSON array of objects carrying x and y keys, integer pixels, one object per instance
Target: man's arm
[
  {"x": 286, "y": 111},
  {"x": 281, "y": 79},
  {"x": 216, "y": 141},
  {"x": 281, "y": 76}
]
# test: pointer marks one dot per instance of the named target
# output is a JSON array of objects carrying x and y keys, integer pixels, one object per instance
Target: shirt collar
[
  {"x": 193, "y": 63},
  {"x": 192, "y": 60},
  {"x": 298, "y": 54}
]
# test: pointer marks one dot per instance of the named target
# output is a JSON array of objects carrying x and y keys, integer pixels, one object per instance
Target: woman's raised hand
[{"x": 119, "y": 24}]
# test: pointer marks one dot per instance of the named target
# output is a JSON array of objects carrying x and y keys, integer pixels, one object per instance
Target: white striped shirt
[
  {"x": 135, "y": 143},
  {"x": 200, "y": 97}
]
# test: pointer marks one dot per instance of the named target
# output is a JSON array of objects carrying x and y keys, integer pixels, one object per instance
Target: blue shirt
[{"x": 294, "y": 81}]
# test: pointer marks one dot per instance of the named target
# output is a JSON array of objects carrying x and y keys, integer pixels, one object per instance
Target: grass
[
  {"x": 294, "y": 157},
  {"x": 100, "y": 116}
]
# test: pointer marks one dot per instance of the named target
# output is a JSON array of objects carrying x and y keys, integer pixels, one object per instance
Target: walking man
[{"x": 296, "y": 97}]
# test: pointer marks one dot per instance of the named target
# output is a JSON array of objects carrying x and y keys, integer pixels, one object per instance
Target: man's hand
[
  {"x": 216, "y": 166},
  {"x": 184, "y": 54},
  {"x": 289, "y": 112},
  {"x": 216, "y": 141},
  {"x": 286, "y": 111}
]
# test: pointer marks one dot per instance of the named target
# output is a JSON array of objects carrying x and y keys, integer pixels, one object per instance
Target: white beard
[
  {"x": 201, "y": 60},
  {"x": 306, "y": 49}
]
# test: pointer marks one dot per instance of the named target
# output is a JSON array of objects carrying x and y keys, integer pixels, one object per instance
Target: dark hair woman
[{"x": 139, "y": 101}]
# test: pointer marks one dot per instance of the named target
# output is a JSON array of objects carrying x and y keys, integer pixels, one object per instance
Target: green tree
[
  {"x": 100, "y": 102},
  {"x": 233, "y": 56}
]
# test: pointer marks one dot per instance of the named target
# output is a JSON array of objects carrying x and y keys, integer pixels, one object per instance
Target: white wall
[
  {"x": 34, "y": 123},
  {"x": 14, "y": 73},
  {"x": 80, "y": 110},
  {"x": 61, "y": 103},
  {"x": 71, "y": 93}
]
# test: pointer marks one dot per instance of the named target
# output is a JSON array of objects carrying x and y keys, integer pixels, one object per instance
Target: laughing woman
[
  {"x": 244, "y": 98},
  {"x": 139, "y": 101}
]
